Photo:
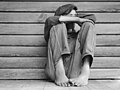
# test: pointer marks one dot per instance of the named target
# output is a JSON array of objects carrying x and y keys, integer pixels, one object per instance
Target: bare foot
[
  {"x": 61, "y": 78},
  {"x": 82, "y": 80}
]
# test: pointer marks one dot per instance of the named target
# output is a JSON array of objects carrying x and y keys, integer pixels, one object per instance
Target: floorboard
[{"x": 46, "y": 85}]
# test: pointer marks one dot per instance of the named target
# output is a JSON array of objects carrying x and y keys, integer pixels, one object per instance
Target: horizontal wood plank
[
  {"x": 23, "y": 51},
  {"x": 107, "y": 28},
  {"x": 52, "y": 6},
  {"x": 22, "y": 74},
  {"x": 38, "y": 40},
  {"x": 109, "y": 40},
  {"x": 22, "y": 62},
  {"x": 105, "y": 73},
  {"x": 41, "y": 17},
  {"x": 21, "y": 29},
  {"x": 21, "y": 40},
  {"x": 106, "y": 62},
  {"x": 39, "y": 62},
  {"x": 40, "y": 74},
  {"x": 107, "y": 51},
  {"x": 36, "y": 29},
  {"x": 42, "y": 51}
]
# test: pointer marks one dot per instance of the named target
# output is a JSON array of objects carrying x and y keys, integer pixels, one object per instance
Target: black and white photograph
[{"x": 59, "y": 44}]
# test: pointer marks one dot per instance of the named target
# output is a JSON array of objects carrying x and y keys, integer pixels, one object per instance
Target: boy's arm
[
  {"x": 54, "y": 20},
  {"x": 74, "y": 19},
  {"x": 87, "y": 16}
]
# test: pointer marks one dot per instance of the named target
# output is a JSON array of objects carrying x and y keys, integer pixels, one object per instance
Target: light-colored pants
[{"x": 71, "y": 47}]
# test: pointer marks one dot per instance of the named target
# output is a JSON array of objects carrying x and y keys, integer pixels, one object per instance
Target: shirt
[{"x": 54, "y": 20}]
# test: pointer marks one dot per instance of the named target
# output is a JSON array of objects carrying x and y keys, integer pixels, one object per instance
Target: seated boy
[{"x": 70, "y": 51}]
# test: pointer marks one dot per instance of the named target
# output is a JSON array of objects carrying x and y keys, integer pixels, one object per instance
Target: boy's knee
[
  {"x": 60, "y": 26},
  {"x": 88, "y": 24}
]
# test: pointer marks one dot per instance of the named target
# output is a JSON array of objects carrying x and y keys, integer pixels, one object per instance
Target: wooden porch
[{"x": 23, "y": 48}]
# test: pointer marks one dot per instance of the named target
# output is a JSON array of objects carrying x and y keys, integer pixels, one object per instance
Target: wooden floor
[{"x": 46, "y": 85}]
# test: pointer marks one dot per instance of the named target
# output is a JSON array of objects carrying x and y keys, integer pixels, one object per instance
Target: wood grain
[
  {"x": 22, "y": 40},
  {"x": 36, "y": 29},
  {"x": 22, "y": 74},
  {"x": 46, "y": 85},
  {"x": 39, "y": 62},
  {"x": 107, "y": 51},
  {"x": 42, "y": 51},
  {"x": 106, "y": 62},
  {"x": 107, "y": 29},
  {"x": 52, "y": 6},
  {"x": 108, "y": 40},
  {"x": 22, "y": 51},
  {"x": 22, "y": 62},
  {"x": 40, "y": 74},
  {"x": 41, "y": 17},
  {"x": 38, "y": 40},
  {"x": 21, "y": 29}
]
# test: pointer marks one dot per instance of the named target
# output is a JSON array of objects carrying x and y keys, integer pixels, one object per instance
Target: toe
[
  {"x": 75, "y": 84},
  {"x": 68, "y": 84},
  {"x": 64, "y": 84},
  {"x": 59, "y": 84},
  {"x": 56, "y": 83}
]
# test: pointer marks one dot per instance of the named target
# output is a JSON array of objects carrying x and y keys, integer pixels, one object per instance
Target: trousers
[{"x": 72, "y": 47}]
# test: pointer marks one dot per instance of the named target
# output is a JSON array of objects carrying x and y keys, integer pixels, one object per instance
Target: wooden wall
[{"x": 23, "y": 48}]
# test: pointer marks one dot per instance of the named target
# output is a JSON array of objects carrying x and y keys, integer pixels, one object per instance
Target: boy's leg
[
  {"x": 86, "y": 38},
  {"x": 82, "y": 79},
  {"x": 61, "y": 78},
  {"x": 57, "y": 46}
]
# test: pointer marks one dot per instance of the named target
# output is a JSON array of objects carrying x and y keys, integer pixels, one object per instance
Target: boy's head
[{"x": 68, "y": 9}]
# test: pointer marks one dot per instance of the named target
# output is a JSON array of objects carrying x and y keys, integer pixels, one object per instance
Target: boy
[{"x": 70, "y": 52}]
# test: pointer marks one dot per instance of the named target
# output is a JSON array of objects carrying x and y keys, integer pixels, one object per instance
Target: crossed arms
[{"x": 54, "y": 20}]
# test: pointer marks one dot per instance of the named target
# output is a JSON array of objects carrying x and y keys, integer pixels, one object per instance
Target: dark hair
[{"x": 65, "y": 9}]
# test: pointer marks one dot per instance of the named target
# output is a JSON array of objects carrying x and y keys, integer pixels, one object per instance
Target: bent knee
[
  {"x": 60, "y": 26},
  {"x": 88, "y": 24}
]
